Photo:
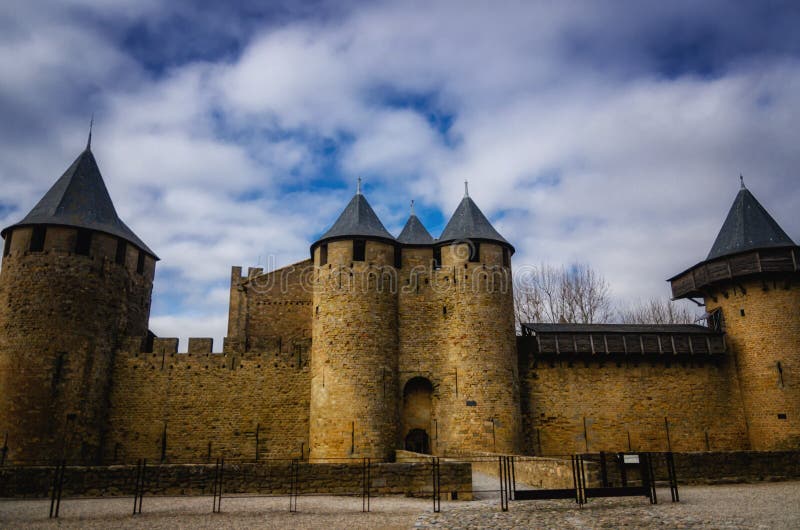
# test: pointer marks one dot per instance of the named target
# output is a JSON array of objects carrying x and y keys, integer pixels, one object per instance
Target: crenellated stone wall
[{"x": 199, "y": 405}]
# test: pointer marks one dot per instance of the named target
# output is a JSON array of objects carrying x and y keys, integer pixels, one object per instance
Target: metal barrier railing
[{"x": 620, "y": 474}]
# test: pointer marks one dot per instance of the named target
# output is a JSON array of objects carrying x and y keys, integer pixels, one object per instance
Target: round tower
[
  {"x": 75, "y": 282},
  {"x": 480, "y": 364},
  {"x": 750, "y": 282},
  {"x": 353, "y": 410}
]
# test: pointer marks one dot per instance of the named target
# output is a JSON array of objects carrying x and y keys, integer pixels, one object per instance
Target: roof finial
[
  {"x": 358, "y": 187},
  {"x": 89, "y": 141},
  {"x": 466, "y": 189},
  {"x": 741, "y": 181},
  {"x": 412, "y": 207}
]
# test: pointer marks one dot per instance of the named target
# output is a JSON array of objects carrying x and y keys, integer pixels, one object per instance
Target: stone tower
[
  {"x": 750, "y": 282},
  {"x": 75, "y": 282},
  {"x": 479, "y": 344},
  {"x": 353, "y": 411}
]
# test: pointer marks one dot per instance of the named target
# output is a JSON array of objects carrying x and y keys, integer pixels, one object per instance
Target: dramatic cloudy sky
[{"x": 231, "y": 133}]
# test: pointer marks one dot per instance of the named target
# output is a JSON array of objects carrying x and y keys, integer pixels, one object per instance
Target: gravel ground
[
  {"x": 764, "y": 506},
  {"x": 767, "y": 506}
]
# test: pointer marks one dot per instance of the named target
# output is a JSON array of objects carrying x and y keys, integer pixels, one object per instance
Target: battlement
[{"x": 267, "y": 352}]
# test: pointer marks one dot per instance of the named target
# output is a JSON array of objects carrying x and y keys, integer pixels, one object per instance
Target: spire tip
[
  {"x": 466, "y": 189},
  {"x": 358, "y": 187},
  {"x": 412, "y": 206},
  {"x": 741, "y": 182},
  {"x": 89, "y": 140}
]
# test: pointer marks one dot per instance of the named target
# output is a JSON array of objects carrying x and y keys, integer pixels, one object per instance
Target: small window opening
[
  {"x": 398, "y": 258},
  {"x": 122, "y": 249},
  {"x": 781, "y": 415},
  {"x": 741, "y": 312},
  {"x": 37, "y": 238},
  {"x": 359, "y": 250},
  {"x": 140, "y": 263},
  {"x": 57, "y": 371},
  {"x": 83, "y": 242},
  {"x": 780, "y": 373},
  {"x": 323, "y": 254},
  {"x": 474, "y": 252},
  {"x": 437, "y": 257},
  {"x": 506, "y": 258},
  {"x": 444, "y": 310},
  {"x": 7, "y": 244}
]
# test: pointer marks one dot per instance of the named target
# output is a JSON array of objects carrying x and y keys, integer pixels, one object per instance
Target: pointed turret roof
[
  {"x": 748, "y": 226},
  {"x": 468, "y": 222},
  {"x": 415, "y": 233},
  {"x": 80, "y": 198},
  {"x": 357, "y": 219}
]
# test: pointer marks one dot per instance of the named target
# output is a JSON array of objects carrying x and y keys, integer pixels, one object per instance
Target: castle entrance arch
[{"x": 416, "y": 415}]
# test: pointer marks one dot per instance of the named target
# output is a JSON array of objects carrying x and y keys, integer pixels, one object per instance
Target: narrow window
[
  {"x": 83, "y": 242},
  {"x": 7, "y": 245},
  {"x": 58, "y": 370},
  {"x": 37, "y": 238},
  {"x": 437, "y": 257},
  {"x": 140, "y": 263},
  {"x": 398, "y": 257},
  {"x": 359, "y": 250},
  {"x": 780, "y": 373},
  {"x": 474, "y": 252},
  {"x": 741, "y": 312},
  {"x": 122, "y": 249},
  {"x": 323, "y": 254},
  {"x": 506, "y": 258}
]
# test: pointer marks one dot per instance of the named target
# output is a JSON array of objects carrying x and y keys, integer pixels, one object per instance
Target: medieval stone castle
[{"x": 378, "y": 343}]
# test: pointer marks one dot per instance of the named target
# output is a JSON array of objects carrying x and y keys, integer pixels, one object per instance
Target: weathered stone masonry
[{"x": 379, "y": 343}]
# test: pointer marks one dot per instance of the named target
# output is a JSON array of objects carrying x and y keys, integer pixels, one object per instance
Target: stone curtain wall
[
  {"x": 762, "y": 322},
  {"x": 269, "y": 478},
  {"x": 233, "y": 405},
  {"x": 269, "y": 307},
  {"x": 632, "y": 398}
]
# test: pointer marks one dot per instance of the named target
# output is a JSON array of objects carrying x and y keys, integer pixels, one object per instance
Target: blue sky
[{"x": 232, "y": 133}]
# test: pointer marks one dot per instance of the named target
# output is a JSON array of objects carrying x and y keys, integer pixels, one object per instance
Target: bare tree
[
  {"x": 657, "y": 311},
  {"x": 576, "y": 294}
]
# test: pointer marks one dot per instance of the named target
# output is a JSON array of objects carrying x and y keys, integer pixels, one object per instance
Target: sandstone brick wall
[
  {"x": 62, "y": 318},
  {"x": 251, "y": 405},
  {"x": 762, "y": 322},
  {"x": 268, "y": 307},
  {"x": 240, "y": 477},
  {"x": 480, "y": 347},
  {"x": 456, "y": 331},
  {"x": 624, "y": 397},
  {"x": 354, "y": 353}
]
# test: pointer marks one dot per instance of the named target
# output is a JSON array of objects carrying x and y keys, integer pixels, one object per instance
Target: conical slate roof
[
  {"x": 357, "y": 219},
  {"x": 748, "y": 226},
  {"x": 468, "y": 222},
  {"x": 414, "y": 233},
  {"x": 80, "y": 199}
]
